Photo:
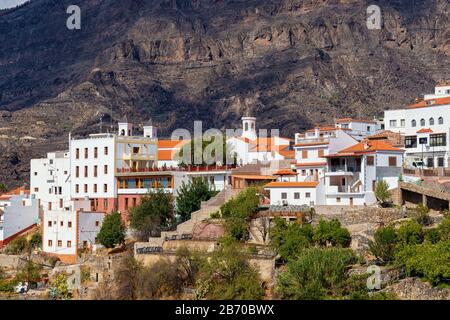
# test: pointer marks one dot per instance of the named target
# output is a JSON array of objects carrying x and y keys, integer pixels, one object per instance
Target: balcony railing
[{"x": 179, "y": 169}]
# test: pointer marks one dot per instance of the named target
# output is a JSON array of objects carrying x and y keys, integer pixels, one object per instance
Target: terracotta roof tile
[
  {"x": 424, "y": 130},
  {"x": 304, "y": 184}
]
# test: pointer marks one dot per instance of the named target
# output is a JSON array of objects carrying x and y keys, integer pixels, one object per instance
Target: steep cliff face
[{"x": 292, "y": 63}]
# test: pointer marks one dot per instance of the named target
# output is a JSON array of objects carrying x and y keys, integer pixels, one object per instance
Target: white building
[
  {"x": 314, "y": 145},
  {"x": 292, "y": 193},
  {"x": 65, "y": 232},
  {"x": 18, "y": 214},
  {"x": 50, "y": 180},
  {"x": 352, "y": 173},
  {"x": 425, "y": 126},
  {"x": 250, "y": 148}
]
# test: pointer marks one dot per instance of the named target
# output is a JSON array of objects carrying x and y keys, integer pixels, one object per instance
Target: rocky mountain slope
[{"x": 291, "y": 63}]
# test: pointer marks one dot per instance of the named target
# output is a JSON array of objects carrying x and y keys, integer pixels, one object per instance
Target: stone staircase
[{"x": 207, "y": 208}]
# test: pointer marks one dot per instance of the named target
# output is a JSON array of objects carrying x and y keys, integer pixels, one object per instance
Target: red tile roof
[
  {"x": 430, "y": 103},
  {"x": 367, "y": 146},
  {"x": 312, "y": 164},
  {"x": 304, "y": 184},
  {"x": 424, "y": 130},
  {"x": 286, "y": 172}
]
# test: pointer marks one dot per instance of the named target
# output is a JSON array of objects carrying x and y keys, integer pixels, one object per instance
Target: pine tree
[
  {"x": 112, "y": 232},
  {"x": 190, "y": 197}
]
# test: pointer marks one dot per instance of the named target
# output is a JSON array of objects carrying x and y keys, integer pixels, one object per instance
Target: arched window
[
  {"x": 253, "y": 126},
  {"x": 413, "y": 123},
  {"x": 246, "y": 126},
  {"x": 441, "y": 120},
  {"x": 422, "y": 122},
  {"x": 122, "y": 132},
  {"x": 431, "y": 121}
]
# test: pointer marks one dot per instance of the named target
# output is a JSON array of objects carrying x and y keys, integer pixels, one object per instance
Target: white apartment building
[
  {"x": 18, "y": 214},
  {"x": 352, "y": 173},
  {"x": 314, "y": 145},
  {"x": 50, "y": 180},
  {"x": 358, "y": 128},
  {"x": 425, "y": 126},
  {"x": 65, "y": 232}
]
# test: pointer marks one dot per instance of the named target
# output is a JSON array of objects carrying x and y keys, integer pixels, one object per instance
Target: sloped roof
[
  {"x": 367, "y": 146},
  {"x": 424, "y": 130},
  {"x": 430, "y": 103},
  {"x": 303, "y": 184}
]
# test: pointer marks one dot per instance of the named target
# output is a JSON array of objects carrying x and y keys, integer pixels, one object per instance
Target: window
[
  {"x": 422, "y": 122},
  {"x": 105, "y": 204},
  {"x": 59, "y": 190},
  {"x": 97, "y": 223},
  {"x": 368, "y": 128},
  {"x": 95, "y": 152},
  {"x": 296, "y": 195},
  {"x": 36, "y": 189},
  {"x": 246, "y": 126},
  {"x": 85, "y": 171},
  {"x": 136, "y": 150},
  {"x": 411, "y": 142},
  {"x": 283, "y": 195},
  {"x": 77, "y": 171},
  {"x": 438, "y": 140},
  {"x": 321, "y": 153},
  {"x": 59, "y": 243},
  {"x": 49, "y": 224},
  {"x": 134, "y": 203},
  {"x": 303, "y": 172},
  {"x": 77, "y": 153},
  {"x": 105, "y": 188},
  {"x": 392, "y": 161},
  {"x": 441, "y": 120},
  {"x": 304, "y": 154},
  {"x": 126, "y": 203},
  {"x": 431, "y": 121},
  {"x": 106, "y": 151},
  {"x": 393, "y": 123},
  {"x": 35, "y": 173},
  {"x": 65, "y": 172},
  {"x": 49, "y": 206},
  {"x": 105, "y": 169},
  {"x": 50, "y": 243},
  {"x": 77, "y": 188},
  {"x": 69, "y": 224},
  {"x": 69, "y": 244},
  {"x": 338, "y": 200},
  {"x": 440, "y": 162},
  {"x": 370, "y": 160},
  {"x": 85, "y": 188},
  {"x": 402, "y": 122},
  {"x": 95, "y": 171},
  {"x": 413, "y": 123},
  {"x": 85, "y": 153},
  {"x": 61, "y": 223},
  {"x": 307, "y": 195},
  {"x": 61, "y": 204},
  {"x": 95, "y": 188}
]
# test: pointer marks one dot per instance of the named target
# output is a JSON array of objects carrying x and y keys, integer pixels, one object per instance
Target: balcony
[
  {"x": 337, "y": 190},
  {"x": 165, "y": 170}
]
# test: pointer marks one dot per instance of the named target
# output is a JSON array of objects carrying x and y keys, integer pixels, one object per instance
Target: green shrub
[
  {"x": 331, "y": 232},
  {"x": 243, "y": 206},
  {"x": 36, "y": 240},
  {"x": 421, "y": 215},
  {"x": 237, "y": 228},
  {"x": 432, "y": 235},
  {"x": 17, "y": 246},
  {"x": 290, "y": 240},
  {"x": 215, "y": 215},
  {"x": 191, "y": 195},
  {"x": 317, "y": 273},
  {"x": 427, "y": 260},
  {"x": 7, "y": 285},
  {"x": 384, "y": 244},
  {"x": 444, "y": 229},
  {"x": 382, "y": 192},
  {"x": 112, "y": 231},
  {"x": 410, "y": 232}
]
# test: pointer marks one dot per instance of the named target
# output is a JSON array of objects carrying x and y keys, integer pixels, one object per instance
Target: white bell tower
[
  {"x": 125, "y": 128},
  {"x": 150, "y": 131},
  {"x": 249, "y": 128}
]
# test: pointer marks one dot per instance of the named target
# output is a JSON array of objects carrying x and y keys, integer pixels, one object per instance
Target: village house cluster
[{"x": 338, "y": 165}]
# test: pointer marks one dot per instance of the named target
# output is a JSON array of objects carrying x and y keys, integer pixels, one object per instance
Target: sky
[{"x": 10, "y": 3}]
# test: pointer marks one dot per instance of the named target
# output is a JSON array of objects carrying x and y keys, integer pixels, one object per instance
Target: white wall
[
  {"x": 19, "y": 213},
  {"x": 276, "y": 193}
]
